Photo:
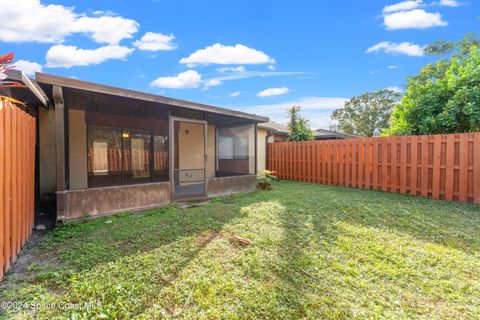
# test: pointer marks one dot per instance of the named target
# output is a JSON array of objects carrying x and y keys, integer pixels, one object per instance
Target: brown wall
[
  {"x": 227, "y": 185},
  {"x": 99, "y": 201}
]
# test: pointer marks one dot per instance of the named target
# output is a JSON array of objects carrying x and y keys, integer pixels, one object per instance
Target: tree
[
  {"x": 299, "y": 127},
  {"x": 447, "y": 50},
  {"x": 447, "y": 104},
  {"x": 364, "y": 114}
]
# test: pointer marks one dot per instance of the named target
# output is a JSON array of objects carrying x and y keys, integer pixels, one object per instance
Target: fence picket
[
  {"x": 419, "y": 165},
  {"x": 17, "y": 160}
]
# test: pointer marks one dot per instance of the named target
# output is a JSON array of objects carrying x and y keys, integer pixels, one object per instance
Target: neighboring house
[
  {"x": 103, "y": 149},
  {"x": 269, "y": 132},
  {"x": 266, "y": 133},
  {"x": 322, "y": 134}
]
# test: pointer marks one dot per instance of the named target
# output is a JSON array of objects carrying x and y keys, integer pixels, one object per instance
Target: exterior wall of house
[
  {"x": 108, "y": 200},
  {"x": 210, "y": 151},
  {"x": 191, "y": 145},
  {"x": 77, "y": 149},
  {"x": 261, "y": 149},
  {"x": 227, "y": 185},
  {"x": 47, "y": 161}
]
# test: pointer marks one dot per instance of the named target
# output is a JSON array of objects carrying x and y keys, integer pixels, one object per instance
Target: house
[
  {"x": 103, "y": 149},
  {"x": 269, "y": 132},
  {"x": 322, "y": 134}
]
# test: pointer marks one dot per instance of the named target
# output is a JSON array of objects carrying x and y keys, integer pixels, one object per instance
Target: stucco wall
[
  {"x": 191, "y": 145},
  {"x": 227, "y": 185},
  {"x": 261, "y": 149},
  {"x": 47, "y": 161},
  {"x": 211, "y": 152},
  {"x": 78, "y": 149},
  {"x": 100, "y": 201}
]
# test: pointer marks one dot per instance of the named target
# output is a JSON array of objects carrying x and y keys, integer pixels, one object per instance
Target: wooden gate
[{"x": 17, "y": 180}]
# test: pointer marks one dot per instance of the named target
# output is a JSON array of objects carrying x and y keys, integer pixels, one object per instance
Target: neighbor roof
[
  {"x": 274, "y": 127},
  {"x": 322, "y": 133},
  {"x": 100, "y": 88}
]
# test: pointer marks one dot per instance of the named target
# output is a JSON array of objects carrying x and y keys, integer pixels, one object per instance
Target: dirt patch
[
  {"x": 204, "y": 239},
  {"x": 30, "y": 261}
]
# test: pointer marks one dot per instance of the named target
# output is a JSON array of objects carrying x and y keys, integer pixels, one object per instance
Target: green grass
[{"x": 319, "y": 252}]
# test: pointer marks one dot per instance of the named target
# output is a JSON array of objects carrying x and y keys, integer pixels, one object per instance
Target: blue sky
[{"x": 254, "y": 56}]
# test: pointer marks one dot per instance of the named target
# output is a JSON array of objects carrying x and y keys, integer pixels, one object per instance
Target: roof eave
[{"x": 100, "y": 88}]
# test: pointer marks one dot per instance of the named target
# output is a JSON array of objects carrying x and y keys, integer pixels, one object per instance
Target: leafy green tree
[
  {"x": 446, "y": 50},
  {"x": 364, "y": 114},
  {"x": 447, "y": 104},
  {"x": 299, "y": 127}
]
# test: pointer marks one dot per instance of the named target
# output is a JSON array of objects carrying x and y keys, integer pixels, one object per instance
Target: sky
[{"x": 258, "y": 56}]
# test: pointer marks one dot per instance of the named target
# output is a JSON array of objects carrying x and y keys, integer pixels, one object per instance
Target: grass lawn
[{"x": 319, "y": 252}]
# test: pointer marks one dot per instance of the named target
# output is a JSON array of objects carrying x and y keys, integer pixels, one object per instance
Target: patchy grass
[{"x": 319, "y": 252}]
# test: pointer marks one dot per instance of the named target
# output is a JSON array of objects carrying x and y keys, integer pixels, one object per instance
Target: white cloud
[
  {"x": 402, "y": 6},
  {"x": 211, "y": 83},
  {"x": 28, "y": 67},
  {"x": 69, "y": 56},
  {"x": 106, "y": 29},
  {"x": 187, "y": 79},
  {"x": 50, "y": 23},
  {"x": 450, "y": 3},
  {"x": 270, "y": 67},
  {"x": 155, "y": 41},
  {"x": 32, "y": 21},
  {"x": 395, "y": 89},
  {"x": 232, "y": 69},
  {"x": 315, "y": 109},
  {"x": 273, "y": 92},
  {"x": 234, "y": 94},
  {"x": 393, "y": 67},
  {"x": 406, "y": 48},
  {"x": 221, "y": 54},
  {"x": 414, "y": 19}
]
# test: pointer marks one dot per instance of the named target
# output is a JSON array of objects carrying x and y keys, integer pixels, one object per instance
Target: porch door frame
[{"x": 172, "y": 153}]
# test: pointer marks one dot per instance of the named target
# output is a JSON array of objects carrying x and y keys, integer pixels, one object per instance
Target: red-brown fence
[
  {"x": 438, "y": 166},
  {"x": 17, "y": 172}
]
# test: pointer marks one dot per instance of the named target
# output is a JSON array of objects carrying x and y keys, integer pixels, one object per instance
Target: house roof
[
  {"x": 327, "y": 134},
  {"x": 100, "y": 88},
  {"x": 275, "y": 127}
]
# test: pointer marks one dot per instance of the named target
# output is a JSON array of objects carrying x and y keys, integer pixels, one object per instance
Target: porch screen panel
[
  {"x": 136, "y": 148},
  {"x": 104, "y": 156},
  {"x": 160, "y": 157},
  {"x": 235, "y": 150}
]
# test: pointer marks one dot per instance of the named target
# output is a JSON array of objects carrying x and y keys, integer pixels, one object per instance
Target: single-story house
[
  {"x": 103, "y": 149},
  {"x": 322, "y": 134}
]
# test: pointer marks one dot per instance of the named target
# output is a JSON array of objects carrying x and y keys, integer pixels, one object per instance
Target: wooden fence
[
  {"x": 17, "y": 174},
  {"x": 438, "y": 166}
]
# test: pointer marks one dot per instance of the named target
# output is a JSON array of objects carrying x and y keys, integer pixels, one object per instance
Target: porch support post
[{"x": 60, "y": 150}]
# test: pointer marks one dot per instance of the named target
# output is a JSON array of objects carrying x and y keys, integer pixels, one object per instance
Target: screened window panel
[
  {"x": 104, "y": 156},
  {"x": 225, "y": 147},
  {"x": 160, "y": 157}
]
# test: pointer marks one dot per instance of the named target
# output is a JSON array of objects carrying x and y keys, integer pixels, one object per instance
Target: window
[
  {"x": 232, "y": 148},
  {"x": 125, "y": 156},
  {"x": 235, "y": 151},
  {"x": 225, "y": 147},
  {"x": 104, "y": 156}
]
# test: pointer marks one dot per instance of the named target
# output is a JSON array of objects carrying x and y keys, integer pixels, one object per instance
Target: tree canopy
[
  {"x": 299, "y": 127},
  {"x": 364, "y": 114},
  {"x": 446, "y": 99}
]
